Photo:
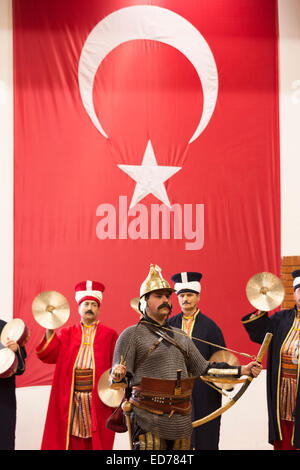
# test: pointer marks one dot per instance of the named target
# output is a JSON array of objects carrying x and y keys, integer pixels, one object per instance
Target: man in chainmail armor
[{"x": 160, "y": 365}]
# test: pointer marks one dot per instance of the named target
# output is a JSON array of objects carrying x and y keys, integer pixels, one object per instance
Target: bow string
[{"x": 241, "y": 391}]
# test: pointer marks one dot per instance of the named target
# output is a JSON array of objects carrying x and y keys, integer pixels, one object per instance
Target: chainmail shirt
[{"x": 162, "y": 363}]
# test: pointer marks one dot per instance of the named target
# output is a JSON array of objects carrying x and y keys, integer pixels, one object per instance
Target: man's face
[
  {"x": 88, "y": 310},
  {"x": 188, "y": 301},
  {"x": 297, "y": 297},
  {"x": 159, "y": 305}
]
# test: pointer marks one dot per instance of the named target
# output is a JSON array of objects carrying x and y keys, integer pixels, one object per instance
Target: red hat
[{"x": 89, "y": 290}]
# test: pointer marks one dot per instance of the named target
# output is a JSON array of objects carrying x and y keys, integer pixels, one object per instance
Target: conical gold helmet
[{"x": 154, "y": 281}]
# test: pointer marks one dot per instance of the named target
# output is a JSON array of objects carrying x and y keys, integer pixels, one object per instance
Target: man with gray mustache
[{"x": 205, "y": 399}]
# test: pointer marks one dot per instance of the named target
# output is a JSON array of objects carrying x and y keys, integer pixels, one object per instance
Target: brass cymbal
[
  {"x": 134, "y": 303},
  {"x": 50, "y": 309},
  {"x": 109, "y": 394},
  {"x": 224, "y": 356},
  {"x": 265, "y": 291}
]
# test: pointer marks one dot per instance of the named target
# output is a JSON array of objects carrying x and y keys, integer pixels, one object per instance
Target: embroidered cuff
[{"x": 253, "y": 316}]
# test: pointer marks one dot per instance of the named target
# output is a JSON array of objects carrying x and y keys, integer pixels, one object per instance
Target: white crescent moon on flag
[{"x": 156, "y": 24}]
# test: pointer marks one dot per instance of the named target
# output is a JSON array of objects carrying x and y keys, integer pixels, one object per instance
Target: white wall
[
  {"x": 6, "y": 160},
  {"x": 244, "y": 426},
  {"x": 289, "y": 75}
]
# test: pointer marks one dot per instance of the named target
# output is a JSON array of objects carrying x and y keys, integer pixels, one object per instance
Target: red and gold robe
[{"x": 63, "y": 348}]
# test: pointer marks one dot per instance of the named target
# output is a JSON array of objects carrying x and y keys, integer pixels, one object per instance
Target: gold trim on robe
[{"x": 254, "y": 317}]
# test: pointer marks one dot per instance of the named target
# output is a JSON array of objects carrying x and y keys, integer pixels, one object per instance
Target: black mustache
[
  {"x": 89, "y": 311},
  {"x": 165, "y": 305}
]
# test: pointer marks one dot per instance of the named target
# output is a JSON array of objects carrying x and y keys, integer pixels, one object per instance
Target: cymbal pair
[
  {"x": 51, "y": 310},
  {"x": 264, "y": 291}
]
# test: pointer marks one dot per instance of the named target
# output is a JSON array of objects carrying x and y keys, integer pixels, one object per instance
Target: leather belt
[{"x": 158, "y": 396}]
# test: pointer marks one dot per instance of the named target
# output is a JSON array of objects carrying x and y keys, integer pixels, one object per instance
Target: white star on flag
[{"x": 149, "y": 177}]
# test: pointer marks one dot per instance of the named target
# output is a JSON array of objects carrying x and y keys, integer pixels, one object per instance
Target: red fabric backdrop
[{"x": 72, "y": 198}]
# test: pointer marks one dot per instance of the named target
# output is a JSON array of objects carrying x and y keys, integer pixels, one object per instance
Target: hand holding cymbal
[
  {"x": 118, "y": 372},
  {"x": 50, "y": 309},
  {"x": 108, "y": 394}
]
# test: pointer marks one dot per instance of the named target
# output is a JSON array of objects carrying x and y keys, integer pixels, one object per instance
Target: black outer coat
[
  {"x": 8, "y": 402},
  {"x": 279, "y": 325},
  {"x": 204, "y": 399}
]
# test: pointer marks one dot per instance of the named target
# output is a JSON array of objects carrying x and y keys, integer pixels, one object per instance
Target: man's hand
[
  {"x": 253, "y": 368},
  {"x": 118, "y": 372},
  {"x": 10, "y": 344}
]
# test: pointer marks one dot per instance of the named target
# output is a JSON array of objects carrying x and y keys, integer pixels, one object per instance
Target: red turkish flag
[{"x": 145, "y": 132}]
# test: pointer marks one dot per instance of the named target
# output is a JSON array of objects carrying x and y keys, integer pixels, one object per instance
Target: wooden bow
[{"x": 241, "y": 391}]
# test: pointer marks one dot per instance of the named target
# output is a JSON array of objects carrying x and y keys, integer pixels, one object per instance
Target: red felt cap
[{"x": 89, "y": 290}]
